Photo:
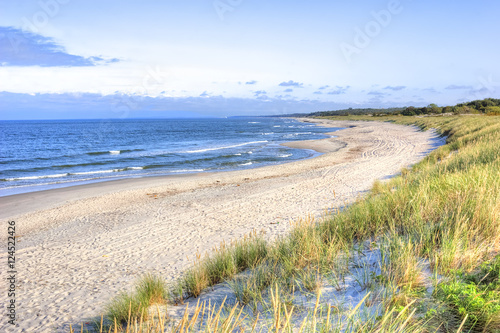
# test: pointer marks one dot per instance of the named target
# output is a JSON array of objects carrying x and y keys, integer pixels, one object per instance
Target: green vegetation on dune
[
  {"x": 447, "y": 205},
  {"x": 489, "y": 106},
  {"x": 475, "y": 295},
  {"x": 447, "y": 211},
  {"x": 436, "y": 228}
]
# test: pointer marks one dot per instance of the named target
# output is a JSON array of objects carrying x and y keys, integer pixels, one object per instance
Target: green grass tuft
[{"x": 149, "y": 289}]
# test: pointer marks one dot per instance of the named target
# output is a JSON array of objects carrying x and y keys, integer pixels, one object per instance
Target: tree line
[
  {"x": 489, "y": 106},
  {"x": 485, "y": 106}
]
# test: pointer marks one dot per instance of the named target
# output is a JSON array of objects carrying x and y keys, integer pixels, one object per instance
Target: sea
[{"x": 45, "y": 154}]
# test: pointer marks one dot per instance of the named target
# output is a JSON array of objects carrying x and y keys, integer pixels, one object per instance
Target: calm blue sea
[{"x": 38, "y": 155}]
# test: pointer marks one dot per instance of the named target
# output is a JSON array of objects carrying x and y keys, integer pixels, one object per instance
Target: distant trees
[
  {"x": 462, "y": 109},
  {"x": 492, "y": 110},
  {"x": 360, "y": 111},
  {"x": 477, "y": 106},
  {"x": 434, "y": 108},
  {"x": 413, "y": 111},
  {"x": 447, "y": 109},
  {"x": 490, "y": 106},
  {"x": 409, "y": 111},
  {"x": 487, "y": 105}
]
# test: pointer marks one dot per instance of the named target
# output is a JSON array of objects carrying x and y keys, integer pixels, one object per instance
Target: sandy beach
[{"x": 80, "y": 246}]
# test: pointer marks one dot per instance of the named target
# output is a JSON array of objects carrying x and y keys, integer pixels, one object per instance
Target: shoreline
[
  {"x": 89, "y": 243},
  {"x": 23, "y": 203},
  {"x": 97, "y": 182}
]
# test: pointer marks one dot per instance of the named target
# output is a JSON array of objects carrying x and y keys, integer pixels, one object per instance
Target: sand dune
[{"x": 80, "y": 246}]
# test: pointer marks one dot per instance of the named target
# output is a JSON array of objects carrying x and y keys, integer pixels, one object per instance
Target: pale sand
[{"x": 82, "y": 245}]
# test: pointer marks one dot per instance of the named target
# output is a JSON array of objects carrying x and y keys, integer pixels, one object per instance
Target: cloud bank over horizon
[{"x": 92, "y": 106}]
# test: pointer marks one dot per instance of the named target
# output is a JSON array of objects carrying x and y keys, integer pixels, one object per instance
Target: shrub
[{"x": 492, "y": 110}]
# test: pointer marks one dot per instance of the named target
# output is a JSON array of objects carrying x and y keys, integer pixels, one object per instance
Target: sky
[{"x": 184, "y": 58}]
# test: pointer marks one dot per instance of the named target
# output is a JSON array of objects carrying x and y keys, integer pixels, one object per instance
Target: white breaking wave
[
  {"x": 39, "y": 177},
  {"x": 60, "y": 175},
  {"x": 254, "y": 122},
  {"x": 95, "y": 172},
  {"x": 56, "y": 182},
  {"x": 105, "y": 171},
  {"x": 114, "y": 152},
  {"x": 226, "y": 147},
  {"x": 285, "y": 155},
  {"x": 187, "y": 170},
  {"x": 249, "y": 163}
]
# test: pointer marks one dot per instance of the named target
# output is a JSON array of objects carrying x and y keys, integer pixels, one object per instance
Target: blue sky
[{"x": 74, "y": 59}]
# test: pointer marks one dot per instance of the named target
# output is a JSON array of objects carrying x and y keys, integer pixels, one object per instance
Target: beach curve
[{"x": 80, "y": 246}]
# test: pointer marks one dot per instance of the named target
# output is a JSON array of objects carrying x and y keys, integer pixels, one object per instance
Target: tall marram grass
[
  {"x": 224, "y": 263},
  {"x": 226, "y": 319},
  {"x": 441, "y": 215},
  {"x": 149, "y": 289}
]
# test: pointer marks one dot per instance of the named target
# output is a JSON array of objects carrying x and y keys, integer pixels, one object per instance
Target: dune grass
[
  {"x": 233, "y": 319},
  {"x": 149, "y": 289},
  {"x": 439, "y": 221},
  {"x": 223, "y": 264}
]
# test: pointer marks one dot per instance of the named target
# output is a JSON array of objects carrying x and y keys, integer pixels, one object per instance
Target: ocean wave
[
  {"x": 104, "y": 171},
  {"x": 57, "y": 157},
  {"x": 292, "y": 135},
  {"x": 95, "y": 172},
  {"x": 284, "y": 155},
  {"x": 61, "y": 175},
  {"x": 61, "y": 181},
  {"x": 98, "y": 153},
  {"x": 66, "y": 166},
  {"x": 224, "y": 147},
  {"x": 187, "y": 170},
  {"x": 248, "y": 163},
  {"x": 13, "y": 160},
  {"x": 113, "y": 152},
  {"x": 254, "y": 122}
]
